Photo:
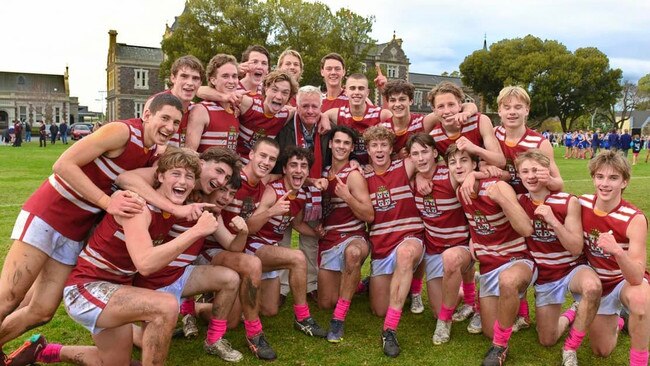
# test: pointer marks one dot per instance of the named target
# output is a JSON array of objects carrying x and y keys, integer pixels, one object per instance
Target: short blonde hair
[
  {"x": 535, "y": 155},
  {"x": 216, "y": 62},
  {"x": 295, "y": 54},
  {"x": 378, "y": 132},
  {"x": 513, "y": 92},
  {"x": 610, "y": 158},
  {"x": 444, "y": 88},
  {"x": 178, "y": 158}
]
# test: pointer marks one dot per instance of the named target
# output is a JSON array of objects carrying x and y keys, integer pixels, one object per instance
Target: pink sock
[
  {"x": 445, "y": 313},
  {"x": 416, "y": 285},
  {"x": 188, "y": 307},
  {"x": 50, "y": 354},
  {"x": 216, "y": 330},
  {"x": 301, "y": 312},
  {"x": 391, "y": 321},
  {"x": 574, "y": 339},
  {"x": 621, "y": 323},
  {"x": 501, "y": 335},
  {"x": 638, "y": 358},
  {"x": 253, "y": 327},
  {"x": 341, "y": 310},
  {"x": 523, "y": 308},
  {"x": 569, "y": 314},
  {"x": 469, "y": 293}
]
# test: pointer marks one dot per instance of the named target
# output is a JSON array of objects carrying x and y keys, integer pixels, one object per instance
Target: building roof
[
  {"x": 31, "y": 83},
  {"x": 429, "y": 79},
  {"x": 139, "y": 53},
  {"x": 639, "y": 119}
]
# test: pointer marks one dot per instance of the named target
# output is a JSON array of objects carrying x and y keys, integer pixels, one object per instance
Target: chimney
[{"x": 112, "y": 38}]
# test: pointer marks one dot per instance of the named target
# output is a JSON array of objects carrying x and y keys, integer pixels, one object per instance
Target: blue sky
[{"x": 43, "y": 36}]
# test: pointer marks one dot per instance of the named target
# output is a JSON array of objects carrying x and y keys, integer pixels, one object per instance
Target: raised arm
[
  {"x": 268, "y": 208},
  {"x": 196, "y": 123},
  {"x": 569, "y": 233},
  {"x": 633, "y": 261},
  {"x": 355, "y": 194},
  {"x": 504, "y": 195},
  {"x": 555, "y": 182},
  {"x": 232, "y": 242}
]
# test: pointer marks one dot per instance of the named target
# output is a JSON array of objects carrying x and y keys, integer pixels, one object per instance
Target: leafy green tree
[
  {"x": 644, "y": 93},
  {"x": 561, "y": 83},
  {"x": 208, "y": 27}
]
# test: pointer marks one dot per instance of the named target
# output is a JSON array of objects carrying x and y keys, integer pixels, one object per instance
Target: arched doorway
[{"x": 4, "y": 119}]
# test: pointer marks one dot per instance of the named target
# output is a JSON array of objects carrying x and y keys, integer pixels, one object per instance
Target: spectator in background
[
  {"x": 28, "y": 131},
  {"x": 63, "y": 130},
  {"x": 636, "y": 145},
  {"x": 613, "y": 140},
  {"x": 54, "y": 131},
  {"x": 595, "y": 142},
  {"x": 625, "y": 140},
  {"x": 18, "y": 132},
  {"x": 42, "y": 135}
]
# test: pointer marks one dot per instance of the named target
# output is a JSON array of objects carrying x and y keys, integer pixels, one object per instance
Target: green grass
[{"x": 23, "y": 169}]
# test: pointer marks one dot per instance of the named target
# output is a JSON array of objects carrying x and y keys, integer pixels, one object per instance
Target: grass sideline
[{"x": 24, "y": 169}]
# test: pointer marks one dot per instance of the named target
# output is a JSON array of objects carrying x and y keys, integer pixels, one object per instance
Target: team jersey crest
[
  {"x": 283, "y": 225},
  {"x": 593, "y": 247},
  {"x": 247, "y": 208},
  {"x": 541, "y": 232},
  {"x": 384, "y": 201},
  {"x": 483, "y": 226},
  {"x": 231, "y": 142},
  {"x": 510, "y": 167},
  {"x": 430, "y": 208}
]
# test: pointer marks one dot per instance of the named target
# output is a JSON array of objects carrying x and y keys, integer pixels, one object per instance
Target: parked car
[{"x": 78, "y": 131}]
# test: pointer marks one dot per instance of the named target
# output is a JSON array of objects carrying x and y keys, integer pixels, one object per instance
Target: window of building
[
  {"x": 22, "y": 113},
  {"x": 57, "y": 115},
  {"x": 391, "y": 70},
  {"x": 111, "y": 80},
  {"x": 21, "y": 80},
  {"x": 141, "y": 79},
  {"x": 417, "y": 97},
  {"x": 139, "y": 108}
]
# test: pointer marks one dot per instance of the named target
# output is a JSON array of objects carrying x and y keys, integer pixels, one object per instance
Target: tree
[
  {"x": 644, "y": 93},
  {"x": 621, "y": 110},
  {"x": 208, "y": 27},
  {"x": 561, "y": 84}
]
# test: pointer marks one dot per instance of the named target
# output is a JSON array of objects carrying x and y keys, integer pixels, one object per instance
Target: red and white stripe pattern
[
  {"x": 469, "y": 129},
  {"x": 340, "y": 101},
  {"x": 401, "y": 137},
  {"x": 371, "y": 117},
  {"x": 255, "y": 124},
  {"x": 222, "y": 129},
  {"x": 530, "y": 140},
  {"x": 246, "y": 200}
]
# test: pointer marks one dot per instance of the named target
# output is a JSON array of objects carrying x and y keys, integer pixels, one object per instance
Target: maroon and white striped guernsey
[
  {"x": 338, "y": 220},
  {"x": 174, "y": 270},
  {"x": 414, "y": 126},
  {"x": 178, "y": 138},
  {"x": 255, "y": 124},
  {"x": 222, "y": 129},
  {"x": 273, "y": 230},
  {"x": 552, "y": 259},
  {"x": 495, "y": 241},
  {"x": 371, "y": 117},
  {"x": 338, "y": 102},
  {"x": 246, "y": 200},
  {"x": 63, "y": 208},
  {"x": 445, "y": 225},
  {"x": 616, "y": 221},
  {"x": 470, "y": 129},
  {"x": 396, "y": 216},
  {"x": 530, "y": 140},
  {"x": 106, "y": 257}
]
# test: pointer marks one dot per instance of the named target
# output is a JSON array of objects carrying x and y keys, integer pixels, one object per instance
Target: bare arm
[
  {"x": 148, "y": 258},
  {"x": 569, "y": 234},
  {"x": 301, "y": 226},
  {"x": 492, "y": 153},
  {"x": 268, "y": 208},
  {"x": 355, "y": 194},
  {"x": 198, "y": 119},
  {"x": 232, "y": 242},
  {"x": 555, "y": 182},
  {"x": 633, "y": 261},
  {"x": 504, "y": 195}
]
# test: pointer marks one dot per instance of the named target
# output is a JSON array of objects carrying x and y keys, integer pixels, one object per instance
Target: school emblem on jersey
[
  {"x": 361, "y": 145},
  {"x": 384, "y": 202},
  {"x": 256, "y": 136},
  {"x": 231, "y": 142},
  {"x": 483, "y": 226},
  {"x": 595, "y": 250},
  {"x": 284, "y": 224},
  {"x": 541, "y": 232},
  {"x": 429, "y": 205},
  {"x": 247, "y": 208},
  {"x": 158, "y": 240},
  {"x": 181, "y": 137},
  {"x": 510, "y": 166}
]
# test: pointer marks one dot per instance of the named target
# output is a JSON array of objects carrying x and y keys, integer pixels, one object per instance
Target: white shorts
[
  {"x": 333, "y": 259},
  {"x": 84, "y": 303},
  {"x": 251, "y": 248},
  {"x": 205, "y": 257},
  {"x": 489, "y": 282},
  {"x": 386, "y": 266},
  {"x": 552, "y": 293},
  {"x": 32, "y": 230},
  {"x": 611, "y": 303},
  {"x": 433, "y": 266},
  {"x": 176, "y": 288}
]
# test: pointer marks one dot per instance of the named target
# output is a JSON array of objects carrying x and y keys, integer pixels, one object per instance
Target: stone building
[
  {"x": 132, "y": 76},
  {"x": 32, "y": 97}
]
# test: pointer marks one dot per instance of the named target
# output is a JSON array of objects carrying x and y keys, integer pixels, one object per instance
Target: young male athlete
[
  {"x": 556, "y": 246},
  {"x": 446, "y": 237},
  {"x": 282, "y": 206},
  {"x": 185, "y": 76},
  {"x": 395, "y": 233},
  {"x": 332, "y": 69},
  {"x": 98, "y": 294},
  {"x": 615, "y": 245},
  {"x": 498, "y": 225},
  {"x": 255, "y": 61},
  {"x": 214, "y": 123},
  {"x": 290, "y": 61},
  {"x": 54, "y": 222},
  {"x": 344, "y": 246}
]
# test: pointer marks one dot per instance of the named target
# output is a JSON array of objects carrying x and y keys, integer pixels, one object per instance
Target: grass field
[{"x": 23, "y": 169}]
